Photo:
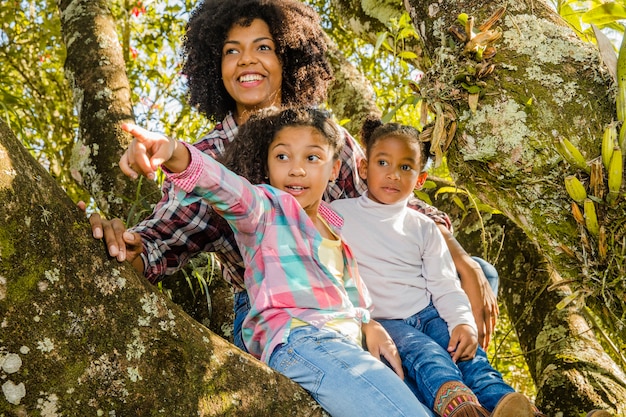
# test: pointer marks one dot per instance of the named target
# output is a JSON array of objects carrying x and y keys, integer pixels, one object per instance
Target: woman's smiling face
[{"x": 251, "y": 69}]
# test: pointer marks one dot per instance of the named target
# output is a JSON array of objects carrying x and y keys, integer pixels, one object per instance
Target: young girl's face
[
  {"x": 392, "y": 170},
  {"x": 300, "y": 161},
  {"x": 251, "y": 70}
]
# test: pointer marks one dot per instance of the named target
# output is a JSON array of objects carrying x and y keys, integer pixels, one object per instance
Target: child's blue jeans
[
  {"x": 422, "y": 342},
  {"x": 343, "y": 378},
  {"x": 242, "y": 303},
  {"x": 241, "y": 306}
]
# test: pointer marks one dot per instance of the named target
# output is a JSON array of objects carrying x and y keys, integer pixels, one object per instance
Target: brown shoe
[
  {"x": 469, "y": 409},
  {"x": 599, "y": 413},
  {"x": 513, "y": 404}
]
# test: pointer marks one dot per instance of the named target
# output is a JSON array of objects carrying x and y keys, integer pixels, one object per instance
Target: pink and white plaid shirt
[{"x": 284, "y": 277}]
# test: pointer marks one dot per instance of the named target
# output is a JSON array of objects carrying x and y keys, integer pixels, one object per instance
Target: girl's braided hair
[
  {"x": 247, "y": 154},
  {"x": 300, "y": 46},
  {"x": 374, "y": 129}
]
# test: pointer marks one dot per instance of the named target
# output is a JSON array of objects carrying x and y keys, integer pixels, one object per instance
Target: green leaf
[
  {"x": 429, "y": 185},
  {"x": 405, "y": 20},
  {"x": 572, "y": 17},
  {"x": 605, "y": 14},
  {"x": 382, "y": 37},
  {"x": 472, "y": 89},
  {"x": 407, "y": 32},
  {"x": 567, "y": 300},
  {"x": 485, "y": 208},
  {"x": 423, "y": 196},
  {"x": 451, "y": 190},
  {"x": 407, "y": 100},
  {"x": 459, "y": 203},
  {"x": 407, "y": 55}
]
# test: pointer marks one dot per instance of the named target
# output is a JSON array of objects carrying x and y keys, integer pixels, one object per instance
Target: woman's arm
[
  {"x": 483, "y": 300},
  {"x": 173, "y": 233}
]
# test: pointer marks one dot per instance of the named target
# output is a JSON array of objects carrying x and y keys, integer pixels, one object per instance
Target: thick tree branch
[
  {"x": 83, "y": 335},
  {"x": 546, "y": 85}
]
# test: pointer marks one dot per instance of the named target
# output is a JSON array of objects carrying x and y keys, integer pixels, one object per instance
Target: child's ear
[
  {"x": 421, "y": 179},
  {"x": 335, "y": 172},
  {"x": 363, "y": 168}
]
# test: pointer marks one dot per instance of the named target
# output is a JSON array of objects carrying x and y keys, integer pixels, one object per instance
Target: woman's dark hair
[
  {"x": 374, "y": 129},
  {"x": 300, "y": 47},
  {"x": 247, "y": 155}
]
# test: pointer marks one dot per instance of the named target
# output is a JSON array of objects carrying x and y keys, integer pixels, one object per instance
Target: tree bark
[
  {"x": 572, "y": 371},
  {"x": 351, "y": 96},
  {"x": 84, "y": 335},
  {"x": 96, "y": 70},
  {"x": 95, "y": 67},
  {"x": 546, "y": 85}
]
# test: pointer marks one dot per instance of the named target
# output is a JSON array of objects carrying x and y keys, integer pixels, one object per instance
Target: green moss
[
  {"x": 19, "y": 288},
  {"x": 7, "y": 249},
  {"x": 19, "y": 284}
]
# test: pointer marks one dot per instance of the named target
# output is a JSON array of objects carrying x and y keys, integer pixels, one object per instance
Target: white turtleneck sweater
[{"x": 404, "y": 261}]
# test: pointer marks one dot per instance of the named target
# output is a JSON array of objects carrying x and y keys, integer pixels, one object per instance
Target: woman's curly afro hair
[
  {"x": 247, "y": 156},
  {"x": 300, "y": 46}
]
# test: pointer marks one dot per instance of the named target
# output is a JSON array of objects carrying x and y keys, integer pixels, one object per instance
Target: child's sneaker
[{"x": 513, "y": 404}]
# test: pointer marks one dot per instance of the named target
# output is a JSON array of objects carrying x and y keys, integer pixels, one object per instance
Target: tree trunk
[
  {"x": 570, "y": 367},
  {"x": 572, "y": 371},
  {"x": 96, "y": 70},
  {"x": 83, "y": 335},
  {"x": 546, "y": 85}
]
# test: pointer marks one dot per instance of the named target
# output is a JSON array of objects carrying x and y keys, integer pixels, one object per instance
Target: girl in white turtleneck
[{"x": 411, "y": 277}]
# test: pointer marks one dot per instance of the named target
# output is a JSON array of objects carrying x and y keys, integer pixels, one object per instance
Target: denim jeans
[
  {"x": 342, "y": 377},
  {"x": 241, "y": 306},
  {"x": 422, "y": 342},
  {"x": 490, "y": 273}
]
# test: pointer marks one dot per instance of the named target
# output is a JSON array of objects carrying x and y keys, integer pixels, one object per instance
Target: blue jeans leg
[
  {"x": 477, "y": 373},
  {"x": 343, "y": 378},
  {"x": 241, "y": 306},
  {"x": 427, "y": 365},
  {"x": 490, "y": 273}
]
